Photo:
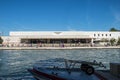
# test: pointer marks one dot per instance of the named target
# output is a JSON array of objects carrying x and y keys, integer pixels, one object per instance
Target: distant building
[{"x": 57, "y": 37}]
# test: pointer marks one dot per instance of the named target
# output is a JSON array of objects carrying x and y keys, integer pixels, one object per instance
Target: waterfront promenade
[{"x": 47, "y": 48}]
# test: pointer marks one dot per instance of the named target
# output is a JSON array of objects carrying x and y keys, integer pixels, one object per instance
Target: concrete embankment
[{"x": 47, "y": 48}]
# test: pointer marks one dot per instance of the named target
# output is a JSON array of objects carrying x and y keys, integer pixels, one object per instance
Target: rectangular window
[
  {"x": 94, "y": 34},
  {"x": 102, "y": 35},
  {"x": 106, "y": 34},
  {"x": 110, "y": 34},
  {"x": 98, "y": 34}
]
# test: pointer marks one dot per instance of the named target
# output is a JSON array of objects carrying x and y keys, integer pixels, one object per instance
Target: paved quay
[{"x": 59, "y": 48}]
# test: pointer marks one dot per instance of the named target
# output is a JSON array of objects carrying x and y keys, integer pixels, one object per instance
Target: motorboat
[{"x": 64, "y": 69}]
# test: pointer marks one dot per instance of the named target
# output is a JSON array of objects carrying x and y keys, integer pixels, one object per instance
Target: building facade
[{"x": 18, "y": 38}]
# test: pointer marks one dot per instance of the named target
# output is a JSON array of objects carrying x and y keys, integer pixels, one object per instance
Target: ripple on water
[{"x": 14, "y": 63}]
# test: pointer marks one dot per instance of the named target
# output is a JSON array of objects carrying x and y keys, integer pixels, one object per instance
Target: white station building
[{"x": 50, "y": 37}]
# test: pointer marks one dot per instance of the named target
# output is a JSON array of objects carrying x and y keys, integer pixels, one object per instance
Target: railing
[
  {"x": 53, "y": 45},
  {"x": 49, "y": 45}
]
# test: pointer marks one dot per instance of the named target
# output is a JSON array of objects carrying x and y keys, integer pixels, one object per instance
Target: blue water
[{"x": 14, "y": 63}]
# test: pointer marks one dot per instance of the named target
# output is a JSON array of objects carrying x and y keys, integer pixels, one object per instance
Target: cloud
[
  {"x": 69, "y": 28},
  {"x": 116, "y": 16},
  {"x": 19, "y": 27},
  {"x": 116, "y": 22}
]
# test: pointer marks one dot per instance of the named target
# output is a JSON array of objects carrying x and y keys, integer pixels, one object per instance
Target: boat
[{"x": 64, "y": 69}]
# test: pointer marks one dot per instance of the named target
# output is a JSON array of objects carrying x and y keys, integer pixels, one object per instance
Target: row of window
[{"x": 102, "y": 34}]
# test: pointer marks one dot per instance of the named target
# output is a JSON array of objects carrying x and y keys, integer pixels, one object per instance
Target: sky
[{"x": 59, "y": 15}]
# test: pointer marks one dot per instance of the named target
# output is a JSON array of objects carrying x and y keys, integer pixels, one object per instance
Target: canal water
[{"x": 14, "y": 63}]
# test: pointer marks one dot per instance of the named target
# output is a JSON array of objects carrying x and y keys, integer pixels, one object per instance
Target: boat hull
[
  {"x": 62, "y": 75},
  {"x": 43, "y": 76}
]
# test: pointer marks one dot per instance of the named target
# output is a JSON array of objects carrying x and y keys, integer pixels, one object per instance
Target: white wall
[
  {"x": 9, "y": 39},
  {"x": 102, "y": 34},
  {"x": 17, "y": 35}
]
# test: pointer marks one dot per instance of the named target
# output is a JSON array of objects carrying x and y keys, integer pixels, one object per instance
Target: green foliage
[
  {"x": 118, "y": 42},
  {"x": 1, "y": 40},
  {"x": 112, "y": 41},
  {"x": 113, "y": 29}
]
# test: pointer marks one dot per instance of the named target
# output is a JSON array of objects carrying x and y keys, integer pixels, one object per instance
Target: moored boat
[{"x": 63, "y": 69}]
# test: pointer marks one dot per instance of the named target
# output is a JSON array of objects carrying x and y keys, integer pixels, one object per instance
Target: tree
[
  {"x": 118, "y": 42},
  {"x": 1, "y": 40},
  {"x": 112, "y": 41},
  {"x": 113, "y": 29}
]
